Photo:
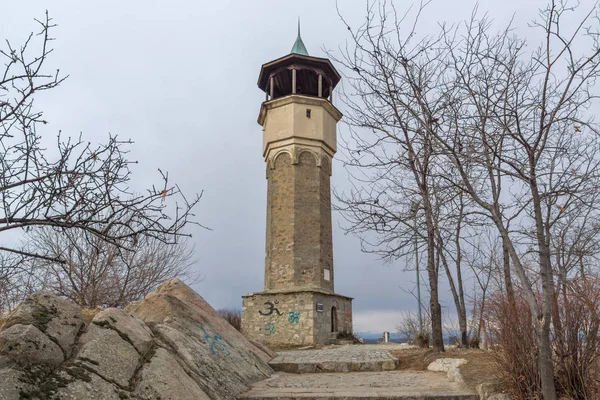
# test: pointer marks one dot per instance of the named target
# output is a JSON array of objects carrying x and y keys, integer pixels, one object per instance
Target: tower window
[{"x": 308, "y": 113}]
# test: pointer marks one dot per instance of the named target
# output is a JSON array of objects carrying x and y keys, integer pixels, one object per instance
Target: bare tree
[
  {"x": 410, "y": 330},
  {"x": 524, "y": 114},
  {"x": 513, "y": 123},
  {"x": 96, "y": 273},
  {"x": 74, "y": 186},
  {"x": 450, "y": 220},
  {"x": 393, "y": 149}
]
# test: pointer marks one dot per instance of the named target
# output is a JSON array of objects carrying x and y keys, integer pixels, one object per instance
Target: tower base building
[
  {"x": 296, "y": 317},
  {"x": 298, "y": 305}
]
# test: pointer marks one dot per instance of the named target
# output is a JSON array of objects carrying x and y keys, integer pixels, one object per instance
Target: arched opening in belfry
[{"x": 334, "y": 321}]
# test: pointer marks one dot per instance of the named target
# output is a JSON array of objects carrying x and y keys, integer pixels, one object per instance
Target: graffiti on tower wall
[
  {"x": 270, "y": 329},
  {"x": 270, "y": 309},
  {"x": 294, "y": 317}
]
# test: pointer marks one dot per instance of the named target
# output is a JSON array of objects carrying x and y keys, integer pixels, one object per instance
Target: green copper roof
[{"x": 299, "y": 47}]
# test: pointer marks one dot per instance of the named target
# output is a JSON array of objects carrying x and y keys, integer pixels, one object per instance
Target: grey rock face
[
  {"x": 164, "y": 378},
  {"x": 105, "y": 352},
  {"x": 172, "y": 345},
  {"x": 96, "y": 389},
  {"x": 446, "y": 364},
  {"x": 59, "y": 319},
  {"x": 10, "y": 386},
  {"x": 26, "y": 344},
  {"x": 193, "y": 329},
  {"x": 128, "y": 325}
]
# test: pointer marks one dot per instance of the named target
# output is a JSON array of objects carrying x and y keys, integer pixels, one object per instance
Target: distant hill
[
  {"x": 371, "y": 337},
  {"x": 395, "y": 337}
]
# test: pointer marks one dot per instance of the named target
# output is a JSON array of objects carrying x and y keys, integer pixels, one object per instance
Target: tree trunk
[
  {"x": 546, "y": 367},
  {"x": 462, "y": 309},
  {"x": 434, "y": 304},
  {"x": 457, "y": 294},
  {"x": 462, "y": 324},
  {"x": 484, "y": 345},
  {"x": 507, "y": 276}
]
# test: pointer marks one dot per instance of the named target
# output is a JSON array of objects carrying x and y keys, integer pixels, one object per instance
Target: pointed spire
[{"x": 299, "y": 47}]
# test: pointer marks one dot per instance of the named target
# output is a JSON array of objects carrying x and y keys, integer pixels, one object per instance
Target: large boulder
[
  {"x": 450, "y": 366},
  {"x": 59, "y": 319},
  {"x": 10, "y": 385},
  {"x": 108, "y": 355},
  {"x": 183, "y": 321},
  {"x": 127, "y": 325},
  {"x": 26, "y": 344},
  {"x": 163, "y": 378},
  {"x": 171, "y": 345},
  {"x": 446, "y": 364},
  {"x": 94, "y": 388}
]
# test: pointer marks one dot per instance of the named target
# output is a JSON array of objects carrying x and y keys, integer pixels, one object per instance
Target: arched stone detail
[
  {"x": 325, "y": 165},
  {"x": 273, "y": 161},
  {"x": 300, "y": 151}
]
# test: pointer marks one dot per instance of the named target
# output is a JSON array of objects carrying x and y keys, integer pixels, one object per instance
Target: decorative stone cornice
[{"x": 297, "y": 98}]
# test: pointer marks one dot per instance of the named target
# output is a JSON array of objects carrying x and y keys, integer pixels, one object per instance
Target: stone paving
[
  {"x": 362, "y": 372},
  {"x": 389, "y": 385}
]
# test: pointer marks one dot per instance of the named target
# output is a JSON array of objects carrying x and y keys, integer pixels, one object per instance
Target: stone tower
[{"x": 298, "y": 304}]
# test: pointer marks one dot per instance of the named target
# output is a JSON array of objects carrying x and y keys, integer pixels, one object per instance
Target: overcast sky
[{"x": 179, "y": 78}]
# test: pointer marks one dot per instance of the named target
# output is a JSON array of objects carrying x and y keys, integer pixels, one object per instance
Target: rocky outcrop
[
  {"x": 450, "y": 366},
  {"x": 172, "y": 345}
]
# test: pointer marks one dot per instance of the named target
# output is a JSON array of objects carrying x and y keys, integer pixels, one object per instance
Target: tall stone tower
[{"x": 298, "y": 304}]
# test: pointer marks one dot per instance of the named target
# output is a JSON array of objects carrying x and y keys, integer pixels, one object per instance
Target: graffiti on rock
[
  {"x": 270, "y": 329},
  {"x": 215, "y": 342},
  {"x": 294, "y": 317},
  {"x": 270, "y": 309}
]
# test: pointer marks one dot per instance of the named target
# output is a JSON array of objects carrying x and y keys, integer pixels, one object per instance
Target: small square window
[{"x": 308, "y": 113}]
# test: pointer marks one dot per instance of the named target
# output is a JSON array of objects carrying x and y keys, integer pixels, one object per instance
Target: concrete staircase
[{"x": 362, "y": 372}]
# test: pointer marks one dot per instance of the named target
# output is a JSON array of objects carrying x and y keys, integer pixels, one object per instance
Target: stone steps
[
  {"x": 334, "y": 366},
  {"x": 344, "y": 359},
  {"x": 362, "y": 396},
  {"x": 390, "y": 385},
  {"x": 362, "y": 372}
]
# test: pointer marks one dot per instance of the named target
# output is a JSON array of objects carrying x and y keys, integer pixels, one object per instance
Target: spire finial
[{"x": 299, "y": 47}]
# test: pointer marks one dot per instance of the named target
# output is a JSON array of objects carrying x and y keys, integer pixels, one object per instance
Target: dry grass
[
  {"x": 479, "y": 369},
  {"x": 89, "y": 314},
  {"x": 3, "y": 318}
]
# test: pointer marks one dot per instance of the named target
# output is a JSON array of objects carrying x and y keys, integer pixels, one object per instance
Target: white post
[{"x": 293, "y": 80}]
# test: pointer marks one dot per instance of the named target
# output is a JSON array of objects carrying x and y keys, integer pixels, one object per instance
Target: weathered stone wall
[
  {"x": 307, "y": 226},
  {"x": 299, "y": 251},
  {"x": 323, "y": 321},
  {"x": 279, "y": 255},
  {"x": 282, "y": 318},
  {"x": 326, "y": 259},
  {"x": 292, "y": 318}
]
